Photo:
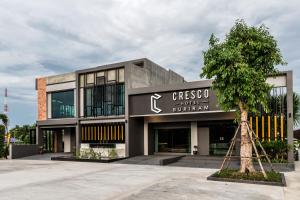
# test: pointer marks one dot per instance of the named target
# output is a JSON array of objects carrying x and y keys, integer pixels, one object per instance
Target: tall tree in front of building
[
  {"x": 240, "y": 66},
  {"x": 3, "y": 128}
]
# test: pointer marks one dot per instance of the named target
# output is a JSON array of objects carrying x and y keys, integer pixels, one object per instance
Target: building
[{"x": 139, "y": 108}]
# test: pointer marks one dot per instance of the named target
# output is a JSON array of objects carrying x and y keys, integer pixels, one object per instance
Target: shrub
[
  {"x": 255, "y": 176},
  {"x": 276, "y": 150},
  {"x": 112, "y": 154}
]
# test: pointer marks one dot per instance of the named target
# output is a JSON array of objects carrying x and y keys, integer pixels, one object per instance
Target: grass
[{"x": 256, "y": 176}]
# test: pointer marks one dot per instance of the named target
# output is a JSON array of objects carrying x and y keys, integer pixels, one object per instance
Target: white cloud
[{"x": 47, "y": 37}]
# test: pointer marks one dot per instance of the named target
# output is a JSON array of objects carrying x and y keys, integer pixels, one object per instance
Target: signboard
[{"x": 171, "y": 102}]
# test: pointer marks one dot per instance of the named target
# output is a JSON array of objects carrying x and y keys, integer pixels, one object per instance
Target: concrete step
[{"x": 151, "y": 160}]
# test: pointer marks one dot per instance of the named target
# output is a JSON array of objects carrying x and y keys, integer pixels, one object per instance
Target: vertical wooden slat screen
[
  {"x": 263, "y": 127},
  {"x": 82, "y": 134},
  {"x": 103, "y": 133},
  {"x": 122, "y": 132},
  {"x": 118, "y": 132},
  {"x": 256, "y": 126},
  {"x": 269, "y": 128},
  {"x": 275, "y": 127},
  {"x": 281, "y": 126}
]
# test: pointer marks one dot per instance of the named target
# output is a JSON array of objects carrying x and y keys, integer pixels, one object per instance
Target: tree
[
  {"x": 3, "y": 129},
  {"x": 2, "y": 147},
  {"x": 4, "y": 120},
  {"x": 21, "y": 133},
  {"x": 240, "y": 65}
]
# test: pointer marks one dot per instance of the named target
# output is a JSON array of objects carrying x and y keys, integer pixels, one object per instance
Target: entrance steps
[
  {"x": 214, "y": 162},
  {"x": 151, "y": 160}
]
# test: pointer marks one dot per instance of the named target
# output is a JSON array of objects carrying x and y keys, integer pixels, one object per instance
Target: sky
[{"x": 47, "y": 37}]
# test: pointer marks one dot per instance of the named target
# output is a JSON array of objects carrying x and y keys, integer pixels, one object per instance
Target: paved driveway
[{"x": 56, "y": 180}]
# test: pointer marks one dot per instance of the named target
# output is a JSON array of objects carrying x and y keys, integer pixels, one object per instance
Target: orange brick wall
[{"x": 42, "y": 99}]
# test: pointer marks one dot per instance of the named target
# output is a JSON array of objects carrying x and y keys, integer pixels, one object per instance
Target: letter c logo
[{"x": 154, "y": 98}]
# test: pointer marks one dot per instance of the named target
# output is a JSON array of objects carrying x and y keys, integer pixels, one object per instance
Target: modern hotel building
[{"x": 139, "y": 108}]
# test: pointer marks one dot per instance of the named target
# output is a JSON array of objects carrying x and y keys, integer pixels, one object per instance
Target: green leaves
[{"x": 240, "y": 65}]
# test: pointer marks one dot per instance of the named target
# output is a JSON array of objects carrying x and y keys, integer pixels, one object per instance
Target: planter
[
  {"x": 103, "y": 160},
  {"x": 282, "y": 182}
]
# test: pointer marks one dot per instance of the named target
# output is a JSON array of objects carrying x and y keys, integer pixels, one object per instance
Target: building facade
[{"x": 139, "y": 108}]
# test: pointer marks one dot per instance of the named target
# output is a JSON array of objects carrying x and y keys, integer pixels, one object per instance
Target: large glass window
[
  {"x": 62, "y": 104},
  {"x": 105, "y": 100},
  {"x": 105, "y": 96}
]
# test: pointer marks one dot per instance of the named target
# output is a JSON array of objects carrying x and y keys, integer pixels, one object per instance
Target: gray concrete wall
[
  {"x": 150, "y": 74},
  {"x": 67, "y": 140},
  {"x": 61, "y": 78},
  {"x": 203, "y": 141},
  {"x": 22, "y": 150},
  {"x": 290, "y": 120}
]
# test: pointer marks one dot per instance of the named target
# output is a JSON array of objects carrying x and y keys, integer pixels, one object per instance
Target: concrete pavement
[{"x": 55, "y": 180}]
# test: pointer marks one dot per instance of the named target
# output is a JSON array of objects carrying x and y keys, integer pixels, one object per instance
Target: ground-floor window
[
  {"x": 107, "y": 133},
  {"x": 172, "y": 140},
  {"x": 220, "y": 135}
]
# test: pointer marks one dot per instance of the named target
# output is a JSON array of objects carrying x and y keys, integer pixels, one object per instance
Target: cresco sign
[
  {"x": 191, "y": 100},
  {"x": 170, "y": 102}
]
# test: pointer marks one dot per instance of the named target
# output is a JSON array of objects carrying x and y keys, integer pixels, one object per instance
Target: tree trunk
[{"x": 246, "y": 145}]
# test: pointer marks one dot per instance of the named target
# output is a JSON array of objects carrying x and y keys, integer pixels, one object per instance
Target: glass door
[{"x": 175, "y": 140}]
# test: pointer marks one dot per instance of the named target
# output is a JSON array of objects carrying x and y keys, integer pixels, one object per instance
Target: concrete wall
[
  {"x": 61, "y": 78},
  {"x": 194, "y": 136},
  {"x": 203, "y": 141},
  {"x": 146, "y": 73},
  {"x": 146, "y": 138},
  {"x": 67, "y": 141},
  {"x": 22, "y": 150}
]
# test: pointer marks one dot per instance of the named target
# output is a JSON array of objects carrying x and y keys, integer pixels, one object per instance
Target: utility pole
[{"x": 5, "y": 109}]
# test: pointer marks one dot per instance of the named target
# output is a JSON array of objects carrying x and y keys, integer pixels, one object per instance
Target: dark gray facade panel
[
  {"x": 136, "y": 136},
  {"x": 173, "y": 102},
  {"x": 192, "y": 117},
  {"x": 22, "y": 150},
  {"x": 58, "y": 122},
  {"x": 171, "y": 87}
]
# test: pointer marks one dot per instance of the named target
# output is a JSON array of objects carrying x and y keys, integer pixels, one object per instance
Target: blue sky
[{"x": 46, "y": 37}]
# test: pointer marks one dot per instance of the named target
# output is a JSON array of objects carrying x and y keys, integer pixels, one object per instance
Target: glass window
[
  {"x": 89, "y": 102},
  {"x": 111, "y": 75},
  {"x": 121, "y": 75},
  {"x": 62, "y": 104},
  {"x": 99, "y": 74},
  {"x": 105, "y": 100},
  {"x": 90, "y": 78}
]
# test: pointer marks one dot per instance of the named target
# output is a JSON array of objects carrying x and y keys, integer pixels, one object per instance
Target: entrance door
[{"x": 174, "y": 140}]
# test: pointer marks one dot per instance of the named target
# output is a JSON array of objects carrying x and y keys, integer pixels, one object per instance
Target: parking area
[{"x": 55, "y": 180}]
